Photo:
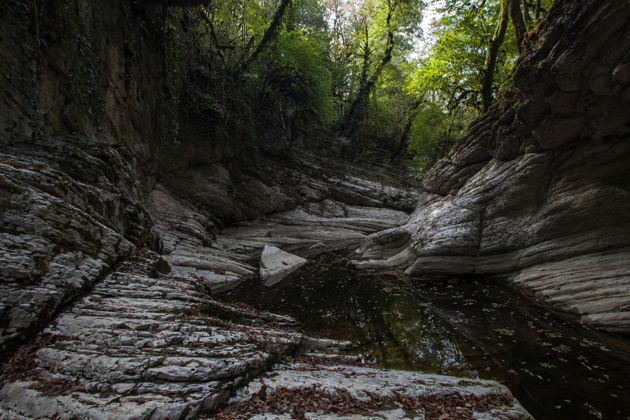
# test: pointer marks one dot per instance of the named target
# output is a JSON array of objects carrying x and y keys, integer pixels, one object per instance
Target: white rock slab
[
  {"x": 365, "y": 383},
  {"x": 397, "y": 414},
  {"x": 276, "y": 264}
]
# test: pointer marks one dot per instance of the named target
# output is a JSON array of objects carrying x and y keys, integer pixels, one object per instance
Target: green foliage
[
  {"x": 378, "y": 35},
  {"x": 448, "y": 78},
  {"x": 240, "y": 72},
  {"x": 331, "y": 61},
  {"x": 451, "y": 72},
  {"x": 389, "y": 109},
  {"x": 433, "y": 133},
  {"x": 306, "y": 74},
  {"x": 282, "y": 95}
]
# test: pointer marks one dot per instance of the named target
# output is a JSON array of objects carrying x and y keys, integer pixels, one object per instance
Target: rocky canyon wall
[
  {"x": 92, "y": 69},
  {"x": 87, "y": 113},
  {"x": 87, "y": 101},
  {"x": 538, "y": 190}
]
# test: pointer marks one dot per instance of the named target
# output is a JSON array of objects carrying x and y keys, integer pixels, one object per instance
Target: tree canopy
[{"x": 356, "y": 78}]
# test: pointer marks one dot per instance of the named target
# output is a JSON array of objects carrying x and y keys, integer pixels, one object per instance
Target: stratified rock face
[
  {"x": 142, "y": 344},
  {"x": 147, "y": 340},
  {"x": 539, "y": 191},
  {"x": 328, "y": 212},
  {"x": 68, "y": 211}
]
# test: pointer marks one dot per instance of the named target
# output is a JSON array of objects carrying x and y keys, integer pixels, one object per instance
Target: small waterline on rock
[{"x": 470, "y": 328}]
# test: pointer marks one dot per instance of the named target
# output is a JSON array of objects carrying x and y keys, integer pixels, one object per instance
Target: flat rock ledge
[
  {"x": 144, "y": 344},
  {"x": 331, "y": 391}
]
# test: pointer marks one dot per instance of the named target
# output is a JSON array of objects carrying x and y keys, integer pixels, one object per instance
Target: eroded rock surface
[
  {"x": 538, "y": 191},
  {"x": 126, "y": 332},
  {"x": 142, "y": 344},
  {"x": 329, "y": 212},
  {"x": 69, "y": 211},
  {"x": 149, "y": 341},
  {"x": 342, "y": 392}
]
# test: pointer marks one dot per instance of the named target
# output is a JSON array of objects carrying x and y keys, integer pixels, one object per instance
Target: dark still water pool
[{"x": 473, "y": 328}]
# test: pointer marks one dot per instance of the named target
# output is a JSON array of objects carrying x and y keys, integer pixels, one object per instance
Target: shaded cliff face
[
  {"x": 538, "y": 191},
  {"x": 99, "y": 70},
  {"x": 68, "y": 211},
  {"x": 119, "y": 72}
]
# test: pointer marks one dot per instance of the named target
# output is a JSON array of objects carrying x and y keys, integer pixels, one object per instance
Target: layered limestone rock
[
  {"x": 329, "y": 212},
  {"x": 69, "y": 210},
  {"x": 127, "y": 332},
  {"x": 334, "y": 391},
  {"x": 538, "y": 191},
  {"x": 148, "y": 340},
  {"x": 142, "y": 344}
]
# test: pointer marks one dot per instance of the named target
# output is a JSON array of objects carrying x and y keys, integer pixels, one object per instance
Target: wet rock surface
[{"x": 537, "y": 192}]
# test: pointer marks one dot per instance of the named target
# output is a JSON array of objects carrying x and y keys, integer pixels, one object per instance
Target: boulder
[{"x": 276, "y": 264}]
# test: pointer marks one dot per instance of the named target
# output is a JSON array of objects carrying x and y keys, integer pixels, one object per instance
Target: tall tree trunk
[
  {"x": 358, "y": 105},
  {"x": 270, "y": 33},
  {"x": 537, "y": 10},
  {"x": 351, "y": 121},
  {"x": 178, "y": 3},
  {"x": 491, "y": 56},
  {"x": 527, "y": 17},
  {"x": 404, "y": 136},
  {"x": 365, "y": 68},
  {"x": 518, "y": 23}
]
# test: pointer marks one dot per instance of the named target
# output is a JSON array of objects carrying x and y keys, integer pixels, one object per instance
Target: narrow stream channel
[{"x": 474, "y": 328}]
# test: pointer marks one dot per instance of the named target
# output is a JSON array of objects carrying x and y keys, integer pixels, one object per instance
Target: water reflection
[
  {"x": 390, "y": 325},
  {"x": 555, "y": 367},
  {"x": 467, "y": 328}
]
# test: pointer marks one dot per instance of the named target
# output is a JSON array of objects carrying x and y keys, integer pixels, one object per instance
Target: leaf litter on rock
[{"x": 299, "y": 401}]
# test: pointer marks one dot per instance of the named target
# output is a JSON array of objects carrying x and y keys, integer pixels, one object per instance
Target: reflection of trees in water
[{"x": 459, "y": 328}]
